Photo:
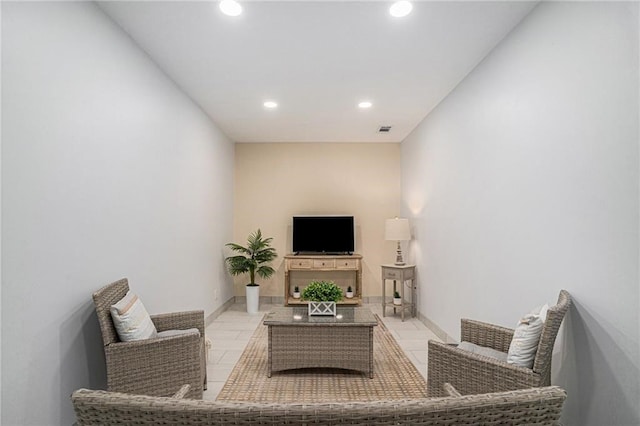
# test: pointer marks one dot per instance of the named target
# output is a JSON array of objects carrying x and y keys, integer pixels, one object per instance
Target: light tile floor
[{"x": 231, "y": 331}]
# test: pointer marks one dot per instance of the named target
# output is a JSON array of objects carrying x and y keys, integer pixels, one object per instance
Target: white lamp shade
[{"x": 397, "y": 230}]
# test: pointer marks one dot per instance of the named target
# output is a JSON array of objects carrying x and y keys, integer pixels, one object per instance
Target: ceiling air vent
[{"x": 384, "y": 129}]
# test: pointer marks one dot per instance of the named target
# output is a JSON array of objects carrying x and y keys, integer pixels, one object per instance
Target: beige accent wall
[{"x": 275, "y": 181}]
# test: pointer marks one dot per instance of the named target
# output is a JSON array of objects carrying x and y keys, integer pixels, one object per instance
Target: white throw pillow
[
  {"x": 526, "y": 337},
  {"x": 131, "y": 319}
]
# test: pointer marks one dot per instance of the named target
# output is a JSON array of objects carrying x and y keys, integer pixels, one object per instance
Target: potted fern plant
[
  {"x": 252, "y": 260},
  {"x": 397, "y": 300},
  {"x": 322, "y": 297}
]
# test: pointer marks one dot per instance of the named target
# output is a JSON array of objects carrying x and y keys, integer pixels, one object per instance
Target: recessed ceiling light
[
  {"x": 270, "y": 104},
  {"x": 230, "y": 7},
  {"x": 365, "y": 104},
  {"x": 400, "y": 8}
]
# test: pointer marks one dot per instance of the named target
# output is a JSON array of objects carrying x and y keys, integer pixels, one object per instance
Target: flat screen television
[{"x": 323, "y": 234}]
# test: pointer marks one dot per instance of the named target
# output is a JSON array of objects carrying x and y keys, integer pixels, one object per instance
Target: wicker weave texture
[
  {"x": 555, "y": 315},
  {"x": 484, "y": 334},
  {"x": 103, "y": 299},
  {"x": 536, "y": 406},
  {"x": 471, "y": 373},
  {"x": 156, "y": 367},
  {"x": 321, "y": 346}
]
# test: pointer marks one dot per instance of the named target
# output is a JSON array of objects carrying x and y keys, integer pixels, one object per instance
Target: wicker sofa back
[{"x": 535, "y": 406}]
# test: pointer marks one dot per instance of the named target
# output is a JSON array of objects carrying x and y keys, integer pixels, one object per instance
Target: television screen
[{"x": 323, "y": 234}]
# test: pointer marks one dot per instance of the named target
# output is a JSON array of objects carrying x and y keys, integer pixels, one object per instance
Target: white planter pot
[
  {"x": 322, "y": 308},
  {"x": 397, "y": 301},
  {"x": 296, "y": 295},
  {"x": 349, "y": 295},
  {"x": 253, "y": 298}
]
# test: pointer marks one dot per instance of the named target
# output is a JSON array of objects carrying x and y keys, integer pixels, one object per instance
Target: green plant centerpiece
[
  {"x": 252, "y": 260},
  {"x": 322, "y": 297},
  {"x": 322, "y": 291}
]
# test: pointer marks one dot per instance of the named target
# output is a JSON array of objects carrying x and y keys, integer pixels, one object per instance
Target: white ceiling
[{"x": 317, "y": 59}]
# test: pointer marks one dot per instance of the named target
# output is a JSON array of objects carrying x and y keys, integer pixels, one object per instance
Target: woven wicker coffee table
[{"x": 299, "y": 341}]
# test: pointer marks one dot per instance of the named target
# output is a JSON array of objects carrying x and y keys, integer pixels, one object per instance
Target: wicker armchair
[
  {"x": 471, "y": 373},
  {"x": 536, "y": 406},
  {"x": 155, "y": 366}
]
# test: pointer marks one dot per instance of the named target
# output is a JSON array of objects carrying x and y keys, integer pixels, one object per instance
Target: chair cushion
[
  {"x": 131, "y": 319},
  {"x": 526, "y": 337},
  {"x": 482, "y": 350},
  {"x": 170, "y": 333}
]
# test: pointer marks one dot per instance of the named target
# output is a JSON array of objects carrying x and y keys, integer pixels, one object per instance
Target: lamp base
[{"x": 399, "y": 259}]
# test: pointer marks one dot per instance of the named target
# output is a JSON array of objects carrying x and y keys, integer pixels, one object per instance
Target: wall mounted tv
[{"x": 323, "y": 234}]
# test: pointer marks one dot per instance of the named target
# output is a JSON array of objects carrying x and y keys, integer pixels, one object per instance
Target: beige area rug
[{"x": 395, "y": 377}]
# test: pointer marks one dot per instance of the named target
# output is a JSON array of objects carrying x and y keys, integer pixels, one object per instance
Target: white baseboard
[
  {"x": 269, "y": 300},
  {"x": 215, "y": 314},
  {"x": 436, "y": 329},
  {"x": 372, "y": 300}
]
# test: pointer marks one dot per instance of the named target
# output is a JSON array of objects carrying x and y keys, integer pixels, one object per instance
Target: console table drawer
[
  {"x": 392, "y": 275},
  {"x": 346, "y": 264},
  {"x": 300, "y": 264},
  {"x": 304, "y": 267},
  {"x": 324, "y": 263}
]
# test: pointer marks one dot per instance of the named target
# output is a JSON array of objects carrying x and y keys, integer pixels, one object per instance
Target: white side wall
[
  {"x": 108, "y": 171},
  {"x": 524, "y": 181}
]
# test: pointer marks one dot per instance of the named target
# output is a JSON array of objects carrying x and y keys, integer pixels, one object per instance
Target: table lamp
[{"x": 397, "y": 230}]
